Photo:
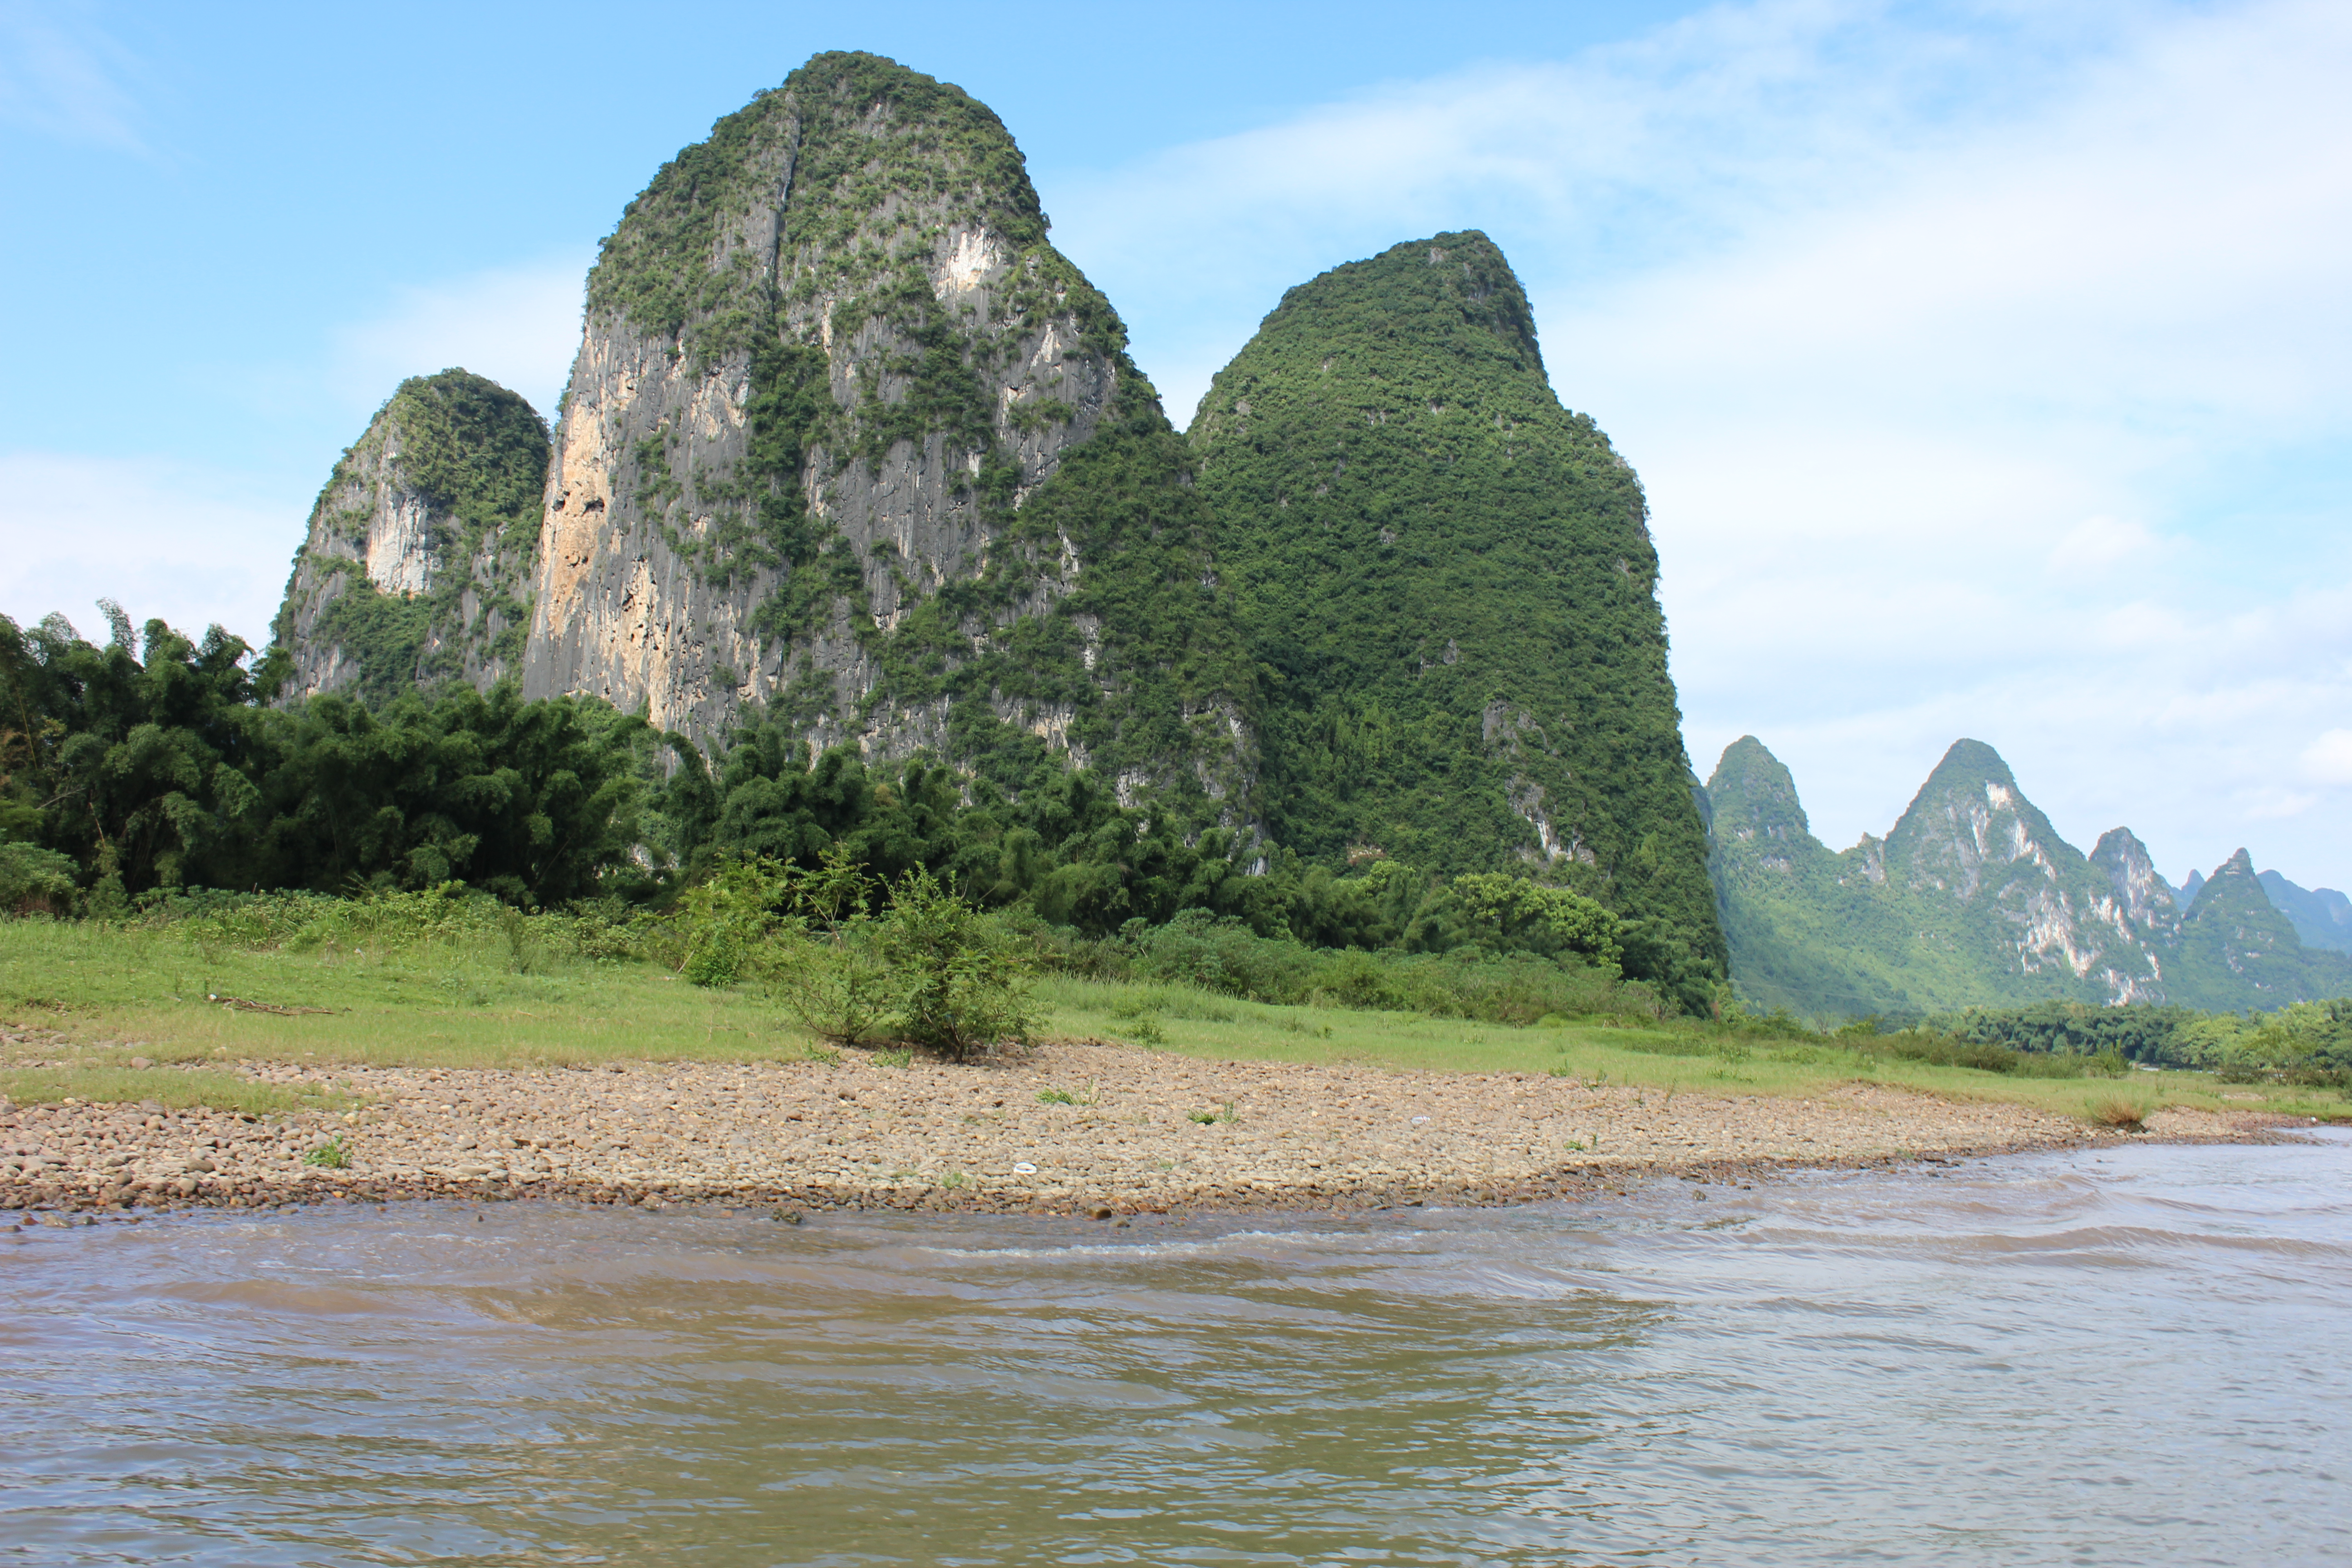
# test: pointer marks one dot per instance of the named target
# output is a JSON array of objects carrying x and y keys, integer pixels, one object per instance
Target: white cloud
[
  {"x": 2097, "y": 543},
  {"x": 2328, "y": 759},
  {"x": 518, "y": 325},
  {"x": 66, "y": 81},
  {"x": 1956, "y": 348},
  {"x": 194, "y": 545},
  {"x": 185, "y": 545}
]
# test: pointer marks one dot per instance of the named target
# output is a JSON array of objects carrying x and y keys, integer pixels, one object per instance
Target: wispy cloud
[
  {"x": 1954, "y": 346},
  {"x": 62, "y": 76},
  {"x": 188, "y": 545},
  {"x": 518, "y": 325}
]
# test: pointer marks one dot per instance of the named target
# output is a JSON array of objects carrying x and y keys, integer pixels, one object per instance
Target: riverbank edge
[{"x": 1575, "y": 1182}]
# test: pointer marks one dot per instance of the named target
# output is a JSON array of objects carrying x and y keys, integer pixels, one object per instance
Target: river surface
[{"x": 2129, "y": 1356}]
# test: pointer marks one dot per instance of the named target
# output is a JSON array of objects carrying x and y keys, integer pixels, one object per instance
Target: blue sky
[{"x": 1987, "y": 364}]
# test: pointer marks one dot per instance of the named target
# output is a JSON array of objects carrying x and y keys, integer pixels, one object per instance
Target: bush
[
  {"x": 35, "y": 881},
  {"x": 830, "y": 974},
  {"x": 721, "y": 923},
  {"x": 961, "y": 985}
]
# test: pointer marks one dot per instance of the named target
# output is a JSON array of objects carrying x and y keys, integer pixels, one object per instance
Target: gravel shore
[{"x": 1068, "y": 1128}]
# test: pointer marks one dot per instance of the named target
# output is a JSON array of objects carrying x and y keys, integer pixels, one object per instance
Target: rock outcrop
[
  {"x": 1450, "y": 578},
  {"x": 1992, "y": 883},
  {"x": 2146, "y": 897},
  {"x": 849, "y": 443},
  {"x": 420, "y": 547}
]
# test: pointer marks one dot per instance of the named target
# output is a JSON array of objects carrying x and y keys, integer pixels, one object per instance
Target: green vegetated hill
[
  {"x": 1973, "y": 899},
  {"x": 419, "y": 551},
  {"x": 1448, "y": 583},
  {"x": 2321, "y": 916}
]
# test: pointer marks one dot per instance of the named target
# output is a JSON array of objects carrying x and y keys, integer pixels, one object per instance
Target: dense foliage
[
  {"x": 475, "y": 455},
  {"x": 2303, "y": 1042},
  {"x": 1448, "y": 583},
  {"x": 129, "y": 778},
  {"x": 158, "y": 767}
]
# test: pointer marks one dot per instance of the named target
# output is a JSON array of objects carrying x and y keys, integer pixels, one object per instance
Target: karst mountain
[
  {"x": 1973, "y": 898},
  {"x": 1449, "y": 589},
  {"x": 849, "y": 447}
]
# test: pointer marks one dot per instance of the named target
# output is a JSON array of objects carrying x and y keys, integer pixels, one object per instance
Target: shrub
[
  {"x": 35, "y": 881},
  {"x": 2119, "y": 1110},
  {"x": 961, "y": 985},
  {"x": 722, "y": 920}
]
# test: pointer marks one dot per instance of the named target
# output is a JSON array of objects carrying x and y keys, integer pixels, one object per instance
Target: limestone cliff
[
  {"x": 420, "y": 546},
  {"x": 2145, "y": 898},
  {"x": 1973, "y": 898},
  {"x": 1993, "y": 884},
  {"x": 847, "y": 438}
]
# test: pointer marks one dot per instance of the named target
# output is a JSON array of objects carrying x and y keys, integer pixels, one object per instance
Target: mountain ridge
[{"x": 1974, "y": 899}]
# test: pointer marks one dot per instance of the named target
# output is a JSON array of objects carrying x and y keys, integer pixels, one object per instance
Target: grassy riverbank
[{"x": 90, "y": 998}]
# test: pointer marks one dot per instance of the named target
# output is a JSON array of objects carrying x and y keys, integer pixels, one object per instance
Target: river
[{"x": 2130, "y": 1355}]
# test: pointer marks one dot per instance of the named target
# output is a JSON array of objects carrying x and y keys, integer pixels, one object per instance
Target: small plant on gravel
[
  {"x": 1056, "y": 1097},
  {"x": 331, "y": 1156},
  {"x": 894, "y": 1057},
  {"x": 2119, "y": 1110},
  {"x": 1210, "y": 1115}
]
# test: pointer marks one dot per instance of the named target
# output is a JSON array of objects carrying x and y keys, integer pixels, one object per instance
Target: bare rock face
[
  {"x": 1984, "y": 871},
  {"x": 420, "y": 546},
  {"x": 849, "y": 445},
  {"x": 2145, "y": 898}
]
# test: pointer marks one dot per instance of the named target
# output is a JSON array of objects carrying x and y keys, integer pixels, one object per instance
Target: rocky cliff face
[
  {"x": 1982, "y": 862},
  {"x": 420, "y": 546},
  {"x": 847, "y": 439},
  {"x": 2145, "y": 898},
  {"x": 1451, "y": 579}
]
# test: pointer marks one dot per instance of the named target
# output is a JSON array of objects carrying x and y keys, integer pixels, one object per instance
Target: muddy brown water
[{"x": 2128, "y": 1355}]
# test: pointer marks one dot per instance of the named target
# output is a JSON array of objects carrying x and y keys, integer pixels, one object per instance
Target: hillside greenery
[
  {"x": 476, "y": 454},
  {"x": 139, "y": 774},
  {"x": 1449, "y": 589}
]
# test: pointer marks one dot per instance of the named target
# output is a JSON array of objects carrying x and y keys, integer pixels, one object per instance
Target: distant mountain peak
[
  {"x": 2321, "y": 916},
  {"x": 1970, "y": 763},
  {"x": 2144, "y": 895},
  {"x": 1751, "y": 788}
]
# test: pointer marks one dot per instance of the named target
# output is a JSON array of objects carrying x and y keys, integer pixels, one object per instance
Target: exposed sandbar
[{"x": 1118, "y": 1128}]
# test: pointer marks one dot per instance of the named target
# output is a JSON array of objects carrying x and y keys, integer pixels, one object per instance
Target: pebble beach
[{"x": 1086, "y": 1128}]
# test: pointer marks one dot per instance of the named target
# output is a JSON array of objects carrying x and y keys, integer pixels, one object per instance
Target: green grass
[
  {"x": 1680, "y": 1057},
  {"x": 116, "y": 992},
  {"x": 111, "y": 1084}
]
